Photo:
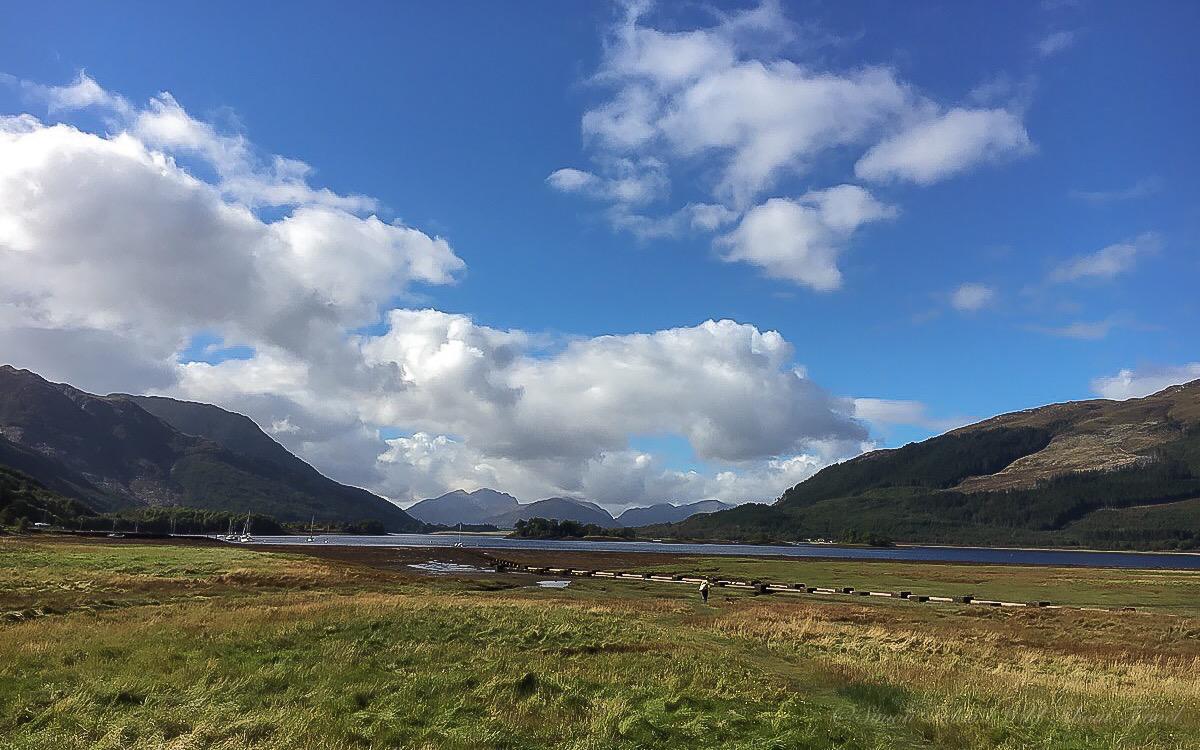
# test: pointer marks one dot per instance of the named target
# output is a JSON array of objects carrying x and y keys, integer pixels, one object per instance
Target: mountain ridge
[
  {"x": 460, "y": 506},
  {"x": 668, "y": 512},
  {"x": 557, "y": 509},
  {"x": 1056, "y": 474},
  {"x": 489, "y": 506},
  {"x": 112, "y": 453}
]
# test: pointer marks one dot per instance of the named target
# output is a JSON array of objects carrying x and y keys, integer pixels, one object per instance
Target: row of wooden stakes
[{"x": 761, "y": 587}]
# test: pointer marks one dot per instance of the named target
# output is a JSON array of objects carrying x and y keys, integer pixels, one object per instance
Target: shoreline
[
  {"x": 1182, "y": 553},
  {"x": 775, "y": 555},
  {"x": 146, "y": 535},
  {"x": 286, "y": 543},
  {"x": 393, "y": 555}
]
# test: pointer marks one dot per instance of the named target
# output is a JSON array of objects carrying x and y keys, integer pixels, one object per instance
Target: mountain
[
  {"x": 558, "y": 509},
  {"x": 230, "y": 430},
  {"x": 668, "y": 513},
  {"x": 115, "y": 452},
  {"x": 486, "y": 506},
  {"x": 1099, "y": 473},
  {"x": 54, "y": 476},
  {"x": 461, "y": 506}
]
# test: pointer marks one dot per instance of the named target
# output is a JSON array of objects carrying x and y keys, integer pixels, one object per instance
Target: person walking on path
[{"x": 704, "y": 590}]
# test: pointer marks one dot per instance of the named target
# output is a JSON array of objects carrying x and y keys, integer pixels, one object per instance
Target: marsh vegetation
[{"x": 149, "y": 646}]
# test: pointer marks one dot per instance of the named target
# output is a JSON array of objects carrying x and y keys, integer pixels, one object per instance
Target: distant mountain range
[
  {"x": 118, "y": 451},
  {"x": 667, "y": 513},
  {"x": 557, "y": 508},
  {"x": 487, "y": 506},
  {"x": 1096, "y": 473},
  {"x": 465, "y": 507}
]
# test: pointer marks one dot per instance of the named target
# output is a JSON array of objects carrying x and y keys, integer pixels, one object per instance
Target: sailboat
[
  {"x": 115, "y": 534},
  {"x": 245, "y": 537},
  {"x": 229, "y": 535},
  {"x": 311, "y": 538}
]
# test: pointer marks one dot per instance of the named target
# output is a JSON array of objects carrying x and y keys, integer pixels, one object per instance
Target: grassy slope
[
  {"x": 909, "y": 495},
  {"x": 157, "y": 646},
  {"x": 1031, "y": 477}
]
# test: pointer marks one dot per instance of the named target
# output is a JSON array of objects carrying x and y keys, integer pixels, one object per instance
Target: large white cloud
[
  {"x": 496, "y": 408},
  {"x": 735, "y": 109},
  {"x": 107, "y": 233},
  {"x": 118, "y": 249},
  {"x": 731, "y": 390},
  {"x": 720, "y": 93}
]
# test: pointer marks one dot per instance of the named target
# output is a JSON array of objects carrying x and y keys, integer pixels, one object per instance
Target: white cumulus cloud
[
  {"x": 118, "y": 247},
  {"x": 115, "y": 256},
  {"x": 108, "y": 233},
  {"x": 800, "y": 240},
  {"x": 944, "y": 146},
  {"x": 494, "y": 408},
  {"x": 736, "y": 110}
]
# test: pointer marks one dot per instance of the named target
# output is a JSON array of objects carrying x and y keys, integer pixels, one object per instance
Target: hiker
[{"x": 704, "y": 590}]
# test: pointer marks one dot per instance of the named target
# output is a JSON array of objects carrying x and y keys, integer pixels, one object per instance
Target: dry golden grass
[{"x": 276, "y": 651}]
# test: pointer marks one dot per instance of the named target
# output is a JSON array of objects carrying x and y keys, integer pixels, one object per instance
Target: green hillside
[{"x": 1093, "y": 473}]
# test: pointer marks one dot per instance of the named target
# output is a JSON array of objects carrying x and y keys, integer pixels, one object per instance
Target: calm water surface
[{"x": 1188, "y": 561}]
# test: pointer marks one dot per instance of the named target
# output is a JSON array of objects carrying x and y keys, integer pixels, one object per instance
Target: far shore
[{"x": 508, "y": 534}]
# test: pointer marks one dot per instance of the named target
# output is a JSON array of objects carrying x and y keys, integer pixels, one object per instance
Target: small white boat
[{"x": 245, "y": 537}]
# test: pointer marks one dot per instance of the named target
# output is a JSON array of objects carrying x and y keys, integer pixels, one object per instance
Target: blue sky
[{"x": 452, "y": 117}]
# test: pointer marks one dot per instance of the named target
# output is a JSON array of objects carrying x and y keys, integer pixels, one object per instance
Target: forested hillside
[{"x": 1093, "y": 473}]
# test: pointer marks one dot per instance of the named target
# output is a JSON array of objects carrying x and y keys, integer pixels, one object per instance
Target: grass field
[{"x": 117, "y": 645}]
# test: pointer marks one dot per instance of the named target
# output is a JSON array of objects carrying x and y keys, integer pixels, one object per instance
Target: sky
[{"x": 628, "y": 252}]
